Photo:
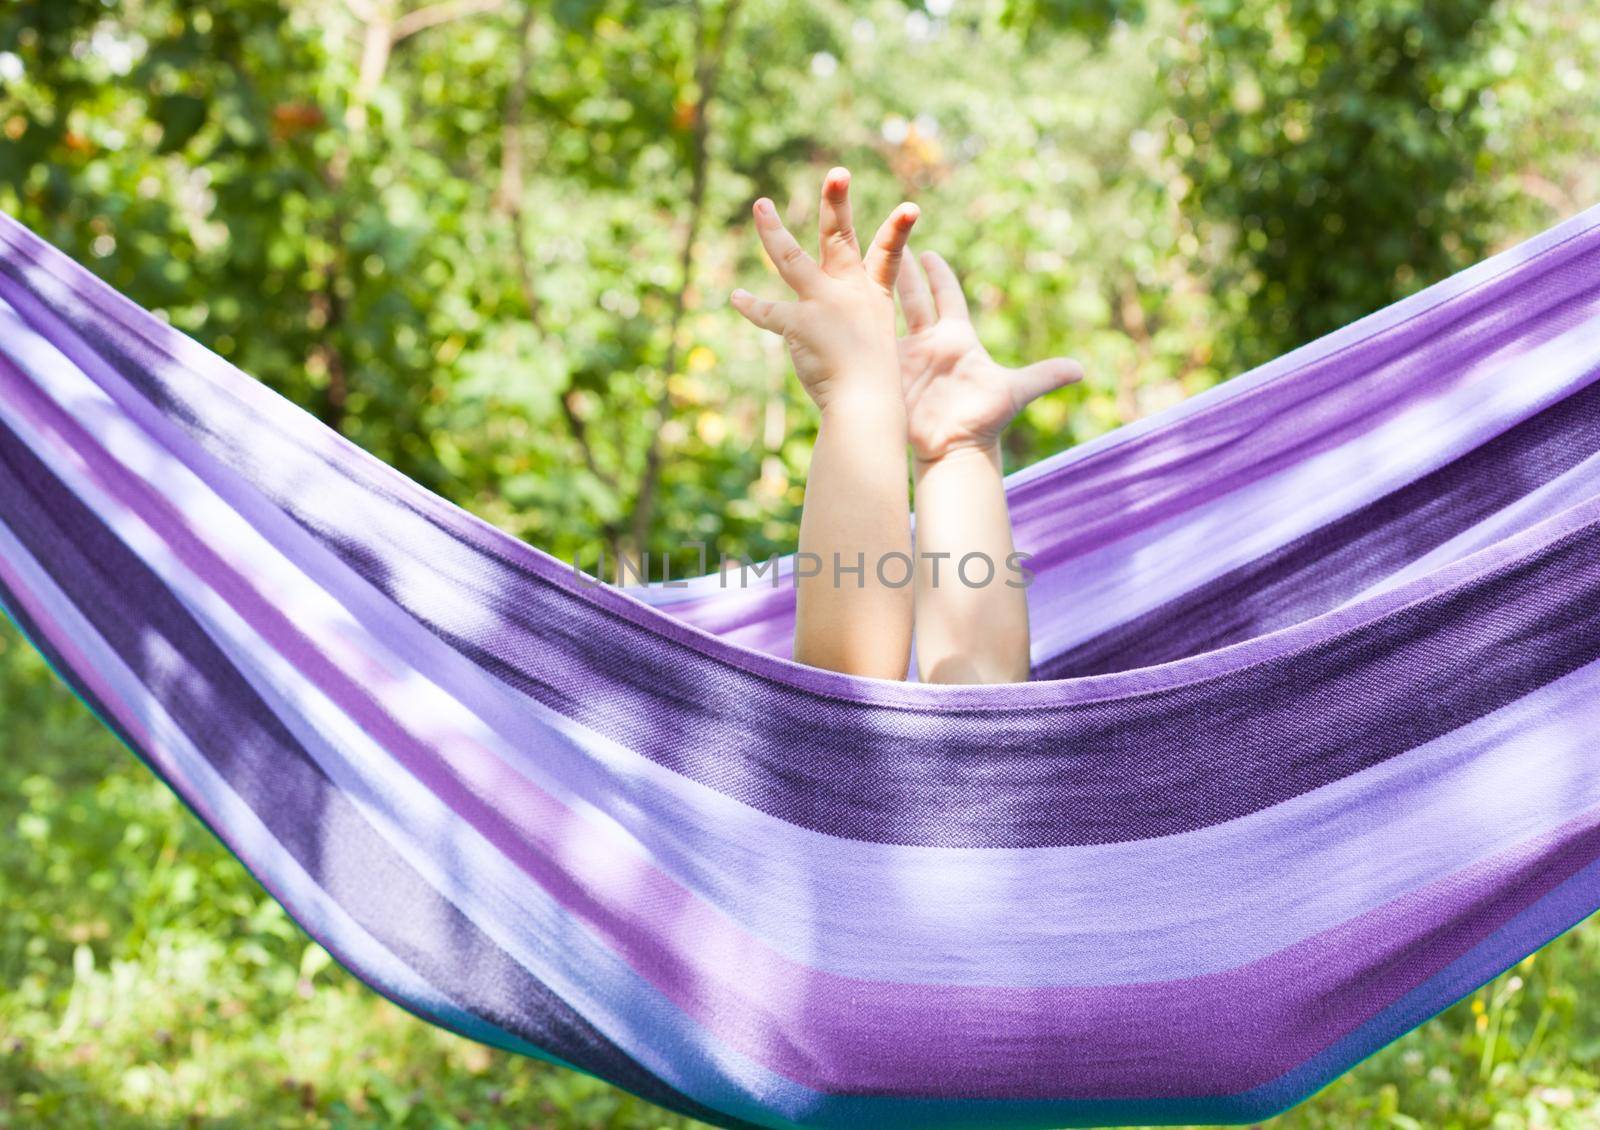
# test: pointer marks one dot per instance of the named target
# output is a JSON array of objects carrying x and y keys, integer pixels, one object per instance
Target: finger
[
  {"x": 946, "y": 287},
  {"x": 883, "y": 259},
  {"x": 768, "y": 315},
  {"x": 1033, "y": 381},
  {"x": 916, "y": 301},
  {"x": 794, "y": 265},
  {"x": 840, "y": 250}
]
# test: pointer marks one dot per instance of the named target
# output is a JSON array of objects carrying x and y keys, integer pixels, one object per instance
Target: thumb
[
  {"x": 1032, "y": 381},
  {"x": 767, "y": 315}
]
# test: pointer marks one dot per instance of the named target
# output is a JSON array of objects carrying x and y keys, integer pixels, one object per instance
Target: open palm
[{"x": 956, "y": 395}]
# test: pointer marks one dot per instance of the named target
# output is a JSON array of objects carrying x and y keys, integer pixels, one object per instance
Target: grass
[{"x": 147, "y": 981}]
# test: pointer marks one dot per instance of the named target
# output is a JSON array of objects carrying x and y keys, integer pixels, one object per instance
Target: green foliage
[
  {"x": 1089, "y": 17},
  {"x": 1342, "y": 144},
  {"x": 464, "y": 245}
]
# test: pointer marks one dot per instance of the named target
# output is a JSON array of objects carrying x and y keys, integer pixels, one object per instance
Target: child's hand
[
  {"x": 840, "y": 329},
  {"x": 956, "y": 395}
]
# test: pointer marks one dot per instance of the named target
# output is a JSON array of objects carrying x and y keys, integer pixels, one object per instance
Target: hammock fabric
[{"x": 1311, "y": 752}]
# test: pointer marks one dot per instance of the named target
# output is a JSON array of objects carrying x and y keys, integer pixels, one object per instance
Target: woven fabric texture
[{"x": 1312, "y": 747}]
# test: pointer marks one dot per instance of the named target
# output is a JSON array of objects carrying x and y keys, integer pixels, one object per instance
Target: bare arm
[
  {"x": 840, "y": 334},
  {"x": 971, "y": 606},
  {"x": 857, "y": 518}
]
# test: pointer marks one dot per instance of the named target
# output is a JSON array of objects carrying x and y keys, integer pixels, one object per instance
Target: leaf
[
  {"x": 180, "y": 117},
  {"x": 313, "y": 961}
]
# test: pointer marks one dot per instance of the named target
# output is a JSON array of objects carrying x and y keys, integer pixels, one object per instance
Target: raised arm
[
  {"x": 971, "y": 603},
  {"x": 853, "y": 598}
]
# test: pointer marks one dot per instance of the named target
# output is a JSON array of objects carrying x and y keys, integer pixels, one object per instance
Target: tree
[{"x": 1336, "y": 145}]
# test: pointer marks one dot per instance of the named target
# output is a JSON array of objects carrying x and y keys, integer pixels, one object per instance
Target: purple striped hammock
[{"x": 1310, "y": 753}]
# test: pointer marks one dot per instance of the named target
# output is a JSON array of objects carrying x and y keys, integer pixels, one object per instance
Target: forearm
[
  {"x": 972, "y": 622},
  {"x": 856, "y": 512}
]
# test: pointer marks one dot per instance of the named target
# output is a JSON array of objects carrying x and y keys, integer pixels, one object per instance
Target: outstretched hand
[
  {"x": 840, "y": 326},
  {"x": 956, "y": 395}
]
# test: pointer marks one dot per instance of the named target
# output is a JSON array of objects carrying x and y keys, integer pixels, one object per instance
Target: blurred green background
[{"x": 491, "y": 242}]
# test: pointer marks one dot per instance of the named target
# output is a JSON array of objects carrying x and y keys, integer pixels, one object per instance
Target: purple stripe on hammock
[{"x": 1321, "y": 570}]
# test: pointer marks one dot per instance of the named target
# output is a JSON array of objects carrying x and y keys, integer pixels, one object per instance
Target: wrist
[
  {"x": 862, "y": 397},
  {"x": 977, "y": 452}
]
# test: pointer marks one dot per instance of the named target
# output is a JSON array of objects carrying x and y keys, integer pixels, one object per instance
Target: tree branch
[
  {"x": 1130, "y": 316},
  {"x": 708, "y": 68},
  {"x": 377, "y": 38},
  {"x": 509, "y": 200},
  {"x": 442, "y": 13},
  {"x": 580, "y": 432},
  {"x": 508, "y": 196}
]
